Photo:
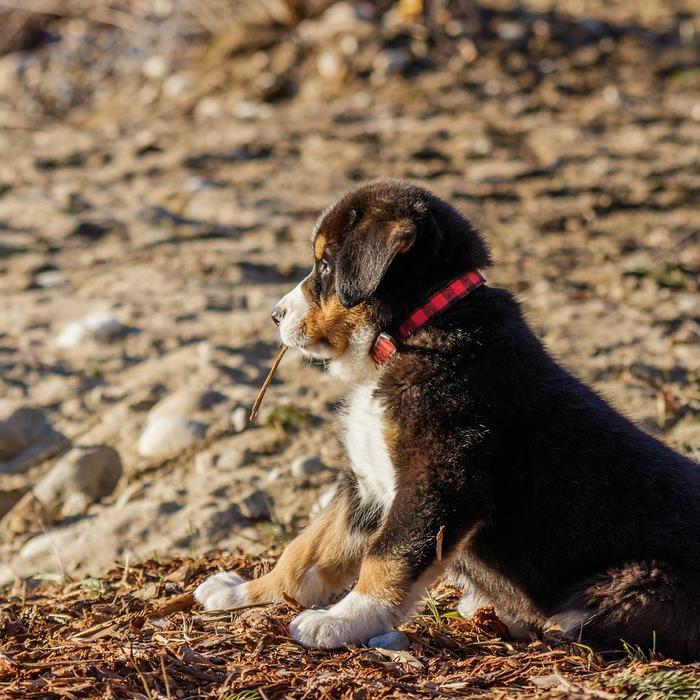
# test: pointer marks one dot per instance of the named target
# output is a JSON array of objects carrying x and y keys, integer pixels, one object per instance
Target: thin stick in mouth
[{"x": 266, "y": 383}]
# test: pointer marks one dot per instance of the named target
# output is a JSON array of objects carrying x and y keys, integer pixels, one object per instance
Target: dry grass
[{"x": 133, "y": 634}]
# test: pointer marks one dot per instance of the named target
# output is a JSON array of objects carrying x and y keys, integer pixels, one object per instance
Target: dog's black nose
[{"x": 278, "y": 314}]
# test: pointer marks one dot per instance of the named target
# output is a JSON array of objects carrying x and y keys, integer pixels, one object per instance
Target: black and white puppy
[{"x": 471, "y": 453}]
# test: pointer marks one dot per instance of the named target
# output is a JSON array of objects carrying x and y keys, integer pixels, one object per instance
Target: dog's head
[{"x": 378, "y": 251}]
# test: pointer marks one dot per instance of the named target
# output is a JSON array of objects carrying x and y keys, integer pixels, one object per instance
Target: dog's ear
[{"x": 365, "y": 257}]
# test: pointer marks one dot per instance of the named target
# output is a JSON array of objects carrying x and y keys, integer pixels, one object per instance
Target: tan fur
[
  {"x": 391, "y": 436},
  {"x": 331, "y": 322},
  {"x": 386, "y": 579},
  {"x": 326, "y": 550},
  {"x": 319, "y": 246}
]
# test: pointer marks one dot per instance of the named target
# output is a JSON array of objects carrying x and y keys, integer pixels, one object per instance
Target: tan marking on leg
[
  {"x": 318, "y": 562},
  {"x": 386, "y": 579}
]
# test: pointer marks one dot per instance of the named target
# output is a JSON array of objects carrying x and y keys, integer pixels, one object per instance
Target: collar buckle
[{"x": 384, "y": 347}]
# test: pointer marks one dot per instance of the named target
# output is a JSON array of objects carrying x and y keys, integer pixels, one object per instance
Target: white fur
[
  {"x": 366, "y": 446},
  {"x": 472, "y": 600},
  {"x": 296, "y": 308},
  {"x": 222, "y": 591},
  {"x": 569, "y": 623},
  {"x": 355, "y": 365},
  {"x": 312, "y": 589},
  {"x": 353, "y": 620}
]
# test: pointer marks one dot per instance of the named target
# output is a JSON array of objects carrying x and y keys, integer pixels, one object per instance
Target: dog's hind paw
[{"x": 222, "y": 591}]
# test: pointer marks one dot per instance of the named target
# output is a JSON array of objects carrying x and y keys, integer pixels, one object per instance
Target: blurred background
[{"x": 163, "y": 163}]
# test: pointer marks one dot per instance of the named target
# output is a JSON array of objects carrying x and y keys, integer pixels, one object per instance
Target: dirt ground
[{"x": 163, "y": 166}]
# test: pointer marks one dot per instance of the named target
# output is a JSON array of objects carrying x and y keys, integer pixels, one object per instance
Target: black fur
[{"x": 553, "y": 500}]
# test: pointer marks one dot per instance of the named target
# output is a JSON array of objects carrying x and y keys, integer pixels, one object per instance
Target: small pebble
[
  {"x": 393, "y": 641},
  {"x": 81, "y": 477},
  {"x": 167, "y": 435},
  {"x": 255, "y": 506},
  {"x": 239, "y": 419},
  {"x": 98, "y": 326},
  {"x": 306, "y": 466},
  {"x": 232, "y": 459}
]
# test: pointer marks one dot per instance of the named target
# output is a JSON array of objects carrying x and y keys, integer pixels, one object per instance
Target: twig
[{"x": 266, "y": 383}]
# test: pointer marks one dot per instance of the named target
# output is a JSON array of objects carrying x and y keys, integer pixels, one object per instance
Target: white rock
[
  {"x": 273, "y": 475},
  {"x": 100, "y": 326},
  {"x": 239, "y": 419},
  {"x": 81, "y": 477},
  {"x": 185, "y": 403},
  {"x": 7, "y": 575},
  {"x": 231, "y": 459},
  {"x": 305, "y": 466},
  {"x": 73, "y": 335},
  {"x": 50, "y": 278},
  {"x": 330, "y": 65},
  {"x": 177, "y": 84},
  {"x": 165, "y": 436},
  {"x": 154, "y": 67}
]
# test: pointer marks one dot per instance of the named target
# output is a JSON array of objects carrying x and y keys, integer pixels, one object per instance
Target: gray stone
[
  {"x": 40, "y": 440},
  {"x": 393, "y": 641},
  {"x": 80, "y": 478},
  {"x": 255, "y": 506},
  {"x": 12, "y": 440},
  {"x": 100, "y": 326},
  {"x": 12, "y": 488},
  {"x": 165, "y": 436},
  {"x": 305, "y": 466}
]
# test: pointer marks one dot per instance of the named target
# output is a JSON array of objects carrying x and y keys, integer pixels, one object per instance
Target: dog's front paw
[
  {"x": 222, "y": 591},
  {"x": 353, "y": 620},
  {"x": 320, "y": 629}
]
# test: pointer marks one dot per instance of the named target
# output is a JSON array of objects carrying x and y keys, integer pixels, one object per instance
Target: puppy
[{"x": 471, "y": 453}]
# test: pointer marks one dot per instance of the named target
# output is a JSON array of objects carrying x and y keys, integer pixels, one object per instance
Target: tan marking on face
[
  {"x": 318, "y": 562},
  {"x": 319, "y": 246},
  {"x": 386, "y": 579},
  {"x": 331, "y": 322}
]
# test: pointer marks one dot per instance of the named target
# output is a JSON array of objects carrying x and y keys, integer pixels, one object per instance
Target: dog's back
[{"x": 585, "y": 514}]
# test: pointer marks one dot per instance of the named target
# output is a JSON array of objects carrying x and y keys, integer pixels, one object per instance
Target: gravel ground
[{"x": 161, "y": 175}]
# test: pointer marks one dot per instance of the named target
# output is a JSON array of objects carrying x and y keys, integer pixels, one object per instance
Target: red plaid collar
[{"x": 458, "y": 288}]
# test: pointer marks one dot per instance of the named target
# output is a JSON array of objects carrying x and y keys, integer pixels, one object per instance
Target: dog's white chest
[{"x": 366, "y": 446}]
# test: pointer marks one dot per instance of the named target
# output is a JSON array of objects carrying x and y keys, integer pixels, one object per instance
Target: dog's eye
[{"x": 324, "y": 267}]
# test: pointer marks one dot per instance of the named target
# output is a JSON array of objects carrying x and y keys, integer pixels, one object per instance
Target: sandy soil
[{"x": 160, "y": 192}]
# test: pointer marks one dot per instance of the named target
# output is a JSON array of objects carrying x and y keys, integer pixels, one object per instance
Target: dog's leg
[
  {"x": 472, "y": 599},
  {"x": 649, "y": 605},
  {"x": 321, "y": 560},
  {"x": 401, "y": 562}
]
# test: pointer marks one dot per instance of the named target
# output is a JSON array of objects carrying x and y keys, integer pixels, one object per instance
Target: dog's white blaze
[
  {"x": 296, "y": 308},
  {"x": 222, "y": 591},
  {"x": 354, "y": 619},
  {"x": 366, "y": 446}
]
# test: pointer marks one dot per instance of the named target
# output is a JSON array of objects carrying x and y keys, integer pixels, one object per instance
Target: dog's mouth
[{"x": 318, "y": 350}]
